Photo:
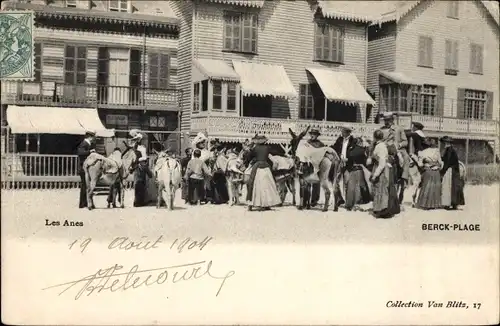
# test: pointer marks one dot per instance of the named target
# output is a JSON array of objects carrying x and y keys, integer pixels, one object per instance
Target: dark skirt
[
  {"x": 385, "y": 197},
  {"x": 184, "y": 190},
  {"x": 452, "y": 189},
  {"x": 356, "y": 189},
  {"x": 220, "y": 194},
  {"x": 430, "y": 190}
]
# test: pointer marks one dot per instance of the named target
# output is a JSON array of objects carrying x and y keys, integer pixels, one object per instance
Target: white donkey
[{"x": 168, "y": 175}]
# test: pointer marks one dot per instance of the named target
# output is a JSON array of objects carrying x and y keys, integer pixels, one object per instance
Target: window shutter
[
  {"x": 135, "y": 68},
  {"x": 448, "y": 51},
  {"x": 153, "y": 63},
  {"x": 489, "y": 105},
  {"x": 472, "y": 57},
  {"x": 440, "y": 101},
  {"x": 164, "y": 66},
  {"x": 421, "y": 50},
  {"x": 461, "y": 103},
  {"x": 102, "y": 66},
  {"x": 455, "y": 55},
  {"x": 479, "y": 59},
  {"x": 429, "y": 51}
]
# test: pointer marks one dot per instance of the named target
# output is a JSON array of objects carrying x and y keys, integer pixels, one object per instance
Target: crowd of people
[{"x": 376, "y": 171}]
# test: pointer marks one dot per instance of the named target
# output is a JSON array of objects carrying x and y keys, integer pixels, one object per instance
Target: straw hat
[
  {"x": 135, "y": 134},
  {"x": 446, "y": 139},
  {"x": 315, "y": 131}
]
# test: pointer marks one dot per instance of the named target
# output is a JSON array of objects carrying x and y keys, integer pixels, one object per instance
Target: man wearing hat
[
  {"x": 397, "y": 143},
  {"x": 143, "y": 171},
  {"x": 316, "y": 143},
  {"x": 86, "y": 147},
  {"x": 342, "y": 146}
]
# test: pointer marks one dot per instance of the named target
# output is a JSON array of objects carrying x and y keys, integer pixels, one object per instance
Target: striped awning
[
  {"x": 397, "y": 77},
  {"x": 341, "y": 86},
  {"x": 216, "y": 69},
  {"x": 264, "y": 80},
  {"x": 55, "y": 120}
]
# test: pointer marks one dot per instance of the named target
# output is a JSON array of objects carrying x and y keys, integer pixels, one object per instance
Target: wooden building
[
  {"x": 263, "y": 66},
  {"x": 439, "y": 61},
  {"x": 118, "y": 58}
]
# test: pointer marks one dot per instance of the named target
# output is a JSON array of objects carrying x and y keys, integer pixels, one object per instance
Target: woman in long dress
[
  {"x": 385, "y": 198},
  {"x": 452, "y": 184},
  {"x": 357, "y": 192},
  {"x": 262, "y": 192},
  {"x": 429, "y": 162}
]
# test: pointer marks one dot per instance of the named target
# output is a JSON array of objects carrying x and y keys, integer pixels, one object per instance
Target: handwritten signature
[{"x": 112, "y": 280}]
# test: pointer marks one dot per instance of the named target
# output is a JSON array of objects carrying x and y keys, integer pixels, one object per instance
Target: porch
[
  {"x": 239, "y": 128},
  {"x": 89, "y": 95}
]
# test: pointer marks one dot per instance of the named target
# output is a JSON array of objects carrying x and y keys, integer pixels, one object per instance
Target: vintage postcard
[{"x": 250, "y": 162}]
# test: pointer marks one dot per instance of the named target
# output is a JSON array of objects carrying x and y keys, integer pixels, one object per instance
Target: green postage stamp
[{"x": 16, "y": 45}]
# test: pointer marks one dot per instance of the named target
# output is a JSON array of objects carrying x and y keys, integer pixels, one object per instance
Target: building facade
[
  {"x": 438, "y": 60},
  {"x": 265, "y": 66},
  {"x": 117, "y": 57}
]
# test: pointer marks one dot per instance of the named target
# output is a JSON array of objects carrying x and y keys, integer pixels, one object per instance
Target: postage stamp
[{"x": 16, "y": 45}]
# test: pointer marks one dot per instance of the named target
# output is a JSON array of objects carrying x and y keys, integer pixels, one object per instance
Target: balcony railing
[
  {"x": 234, "y": 128},
  {"x": 57, "y": 94}
]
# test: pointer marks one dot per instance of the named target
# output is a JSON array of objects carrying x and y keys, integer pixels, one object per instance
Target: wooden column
[
  {"x": 38, "y": 143},
  {"x": 466, "y": 151},
  {"x": 27, "y": 143}
]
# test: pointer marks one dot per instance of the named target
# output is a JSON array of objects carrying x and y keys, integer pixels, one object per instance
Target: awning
[
  {"x": 216, "y": 69},
  {"x": 341, "y": 86},
  {"x": 397, "y": 77},
  {"x": 55, "y": 120},
  {"x": 245, "y": 3},
  {"x": 263, "y": 79}
]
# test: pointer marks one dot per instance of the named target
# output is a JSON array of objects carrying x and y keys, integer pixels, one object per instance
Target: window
[
  {"x": 71, "y": 3},
  {"x": 425, "y": 51},
  {"x": 453, "y": 9},
  {"x": 118, "y": 5},
  {"x": 196, "y": 97},
  {"x": 451, "y": 65},
  {"x": 157, "y": 122},
  {"x": 306, "y": 110},
  {"x": 75, "y": 65},
  {"x": 475, "y": 104},
  {"x": 231, "y": 96},
  {"x": 424, "y": 99},
  {"x": 240, "y": 32},
  {"x": 158, "y": 70},
  {"x": 38, "y": 62},
  {"x": 395, "y": 97},
  {"x": 476, "y": 59},
  {"x": 329, "y": 43},
  {"x": 217, "y": 95}
]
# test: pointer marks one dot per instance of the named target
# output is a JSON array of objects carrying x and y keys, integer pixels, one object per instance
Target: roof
[
  {"x": 55, "y": 120},
  {"x": 136, "y": 18},
  {"x": 359, "y": 11},
  {"x": 216, "y": 69},
  {"x": 398, "y": 77},
  {"x": 387, "y": 11},
  {"x": 341, "y": 86},
  {"x": 261, "y": 79},
  {"x": 245, "y": 3}
]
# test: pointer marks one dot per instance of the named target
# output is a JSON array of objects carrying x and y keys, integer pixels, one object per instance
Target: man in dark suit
[
  {"x": 342, "y": 146},
  {"x": 86, "y": 147},
  {"x": 316, "y": 143}
]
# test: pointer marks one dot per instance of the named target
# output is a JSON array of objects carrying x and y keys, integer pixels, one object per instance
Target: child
[{"x": 196, "y": 171}]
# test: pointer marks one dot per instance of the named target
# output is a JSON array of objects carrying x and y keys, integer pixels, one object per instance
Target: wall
[
  {"x": 474, "y": 24},
  {"x": 55, "y": 39},
  {"x": 381, "y": 54},
  {"x": 285, "y": 37},
  {"x": 184, "y": 11}
]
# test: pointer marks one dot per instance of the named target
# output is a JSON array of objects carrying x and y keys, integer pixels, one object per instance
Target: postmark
[{"x": 16, "y": 45}]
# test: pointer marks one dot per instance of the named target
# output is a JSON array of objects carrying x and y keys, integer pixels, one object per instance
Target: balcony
[
  {"x": 117, "y": 97},
  {"x": 237, "y": 129}
]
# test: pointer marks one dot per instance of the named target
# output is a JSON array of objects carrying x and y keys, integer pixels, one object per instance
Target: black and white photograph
[{"x": 264, "y": 162}]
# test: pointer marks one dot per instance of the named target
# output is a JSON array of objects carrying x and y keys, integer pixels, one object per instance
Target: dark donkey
[{"x": 328, "y": 173}]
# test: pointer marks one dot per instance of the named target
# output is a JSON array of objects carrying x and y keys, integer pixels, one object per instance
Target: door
[{"x": 118, "y": 76}]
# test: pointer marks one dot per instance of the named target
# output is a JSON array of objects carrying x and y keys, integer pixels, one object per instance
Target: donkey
[
  {"x": 111, "y": 171},
  {"x": 328, "y": 174},
  {"x": 168, "y": 175}
]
